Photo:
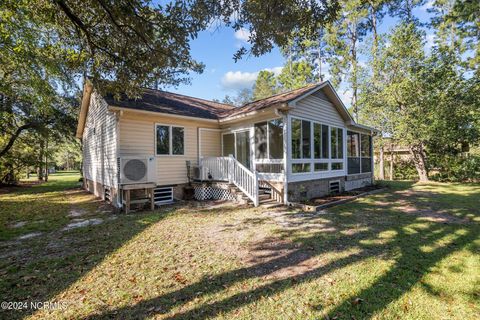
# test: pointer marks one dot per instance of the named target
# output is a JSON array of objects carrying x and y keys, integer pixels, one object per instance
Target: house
[{"x": 289, "y": 147}]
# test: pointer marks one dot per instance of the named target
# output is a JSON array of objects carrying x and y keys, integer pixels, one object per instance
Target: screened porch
[{"x": 259, "y": 147}]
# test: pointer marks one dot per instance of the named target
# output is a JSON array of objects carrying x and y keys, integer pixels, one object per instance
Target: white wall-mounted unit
[{"x": 137, "y": 169}]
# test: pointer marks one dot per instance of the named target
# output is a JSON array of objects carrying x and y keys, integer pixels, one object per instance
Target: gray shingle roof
[
  {"x": 178, "y": 104},
  {"x": 171, "y": 103}
]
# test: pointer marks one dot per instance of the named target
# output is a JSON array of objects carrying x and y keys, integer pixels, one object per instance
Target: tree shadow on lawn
[
  {"x": 40, "y": 268},
  {"x": 415, "y": 245}
]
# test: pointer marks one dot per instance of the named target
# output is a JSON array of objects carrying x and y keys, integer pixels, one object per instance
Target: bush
[
  {"x": 458, "y": 168},
  {"x": 404, "y": 170}
]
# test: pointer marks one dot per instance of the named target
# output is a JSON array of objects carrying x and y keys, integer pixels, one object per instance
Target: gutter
[{"x": 160, "y": 114}]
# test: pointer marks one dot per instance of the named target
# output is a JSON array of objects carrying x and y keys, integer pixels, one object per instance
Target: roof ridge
[
  {"x": 285, "y": 92},
  {"x": 245, "y": 106}
]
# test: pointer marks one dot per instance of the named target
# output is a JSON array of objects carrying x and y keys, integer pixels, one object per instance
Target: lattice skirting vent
[{"x": 211, "y": 192}]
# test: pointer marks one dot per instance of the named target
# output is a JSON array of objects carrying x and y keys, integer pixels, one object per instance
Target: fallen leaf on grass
[{"x": 179, "y": 278}]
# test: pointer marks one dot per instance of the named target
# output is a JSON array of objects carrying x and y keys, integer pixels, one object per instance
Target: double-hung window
[{"x": 169, "y": 140}]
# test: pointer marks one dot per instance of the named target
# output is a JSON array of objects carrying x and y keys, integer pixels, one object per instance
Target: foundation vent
[
  {"x": 163, "y": 195},
  {"x": 334, "y": 187}
]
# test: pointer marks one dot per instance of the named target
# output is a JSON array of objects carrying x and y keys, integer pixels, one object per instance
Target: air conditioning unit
[{"x": 137, "y": 169}]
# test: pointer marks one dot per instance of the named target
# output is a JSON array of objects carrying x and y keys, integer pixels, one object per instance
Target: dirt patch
[
  {"x": 251, "y": 241},
  {"x": 29, "y": 235},
  {"x": 275, "y": 258},
  {"x": 424, "y": 212},
  {"x": 74, "y": 213},
  {"x": 18, "y": 224},
  {"x": 78, "y": 223}
]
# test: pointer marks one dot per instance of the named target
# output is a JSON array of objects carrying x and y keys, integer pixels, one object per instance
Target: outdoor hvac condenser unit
[{"x": 138, "y": 169}]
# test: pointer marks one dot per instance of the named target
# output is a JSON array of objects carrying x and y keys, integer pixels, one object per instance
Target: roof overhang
[
  {"x": 158, "y": 114},
  {"x": 252, "y": 114},
  {"x": 353, "y": 125},
  {"x": 82, "y": 117}
]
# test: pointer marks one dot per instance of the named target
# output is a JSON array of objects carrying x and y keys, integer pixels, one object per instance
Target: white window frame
[
  {"x": 267, "y": 159},
  {"x": 170, "y": 139},
  {"x": 312, "y": 160}
]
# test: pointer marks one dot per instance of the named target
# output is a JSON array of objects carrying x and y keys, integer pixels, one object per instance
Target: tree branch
[{"x": 14, "y": 137}]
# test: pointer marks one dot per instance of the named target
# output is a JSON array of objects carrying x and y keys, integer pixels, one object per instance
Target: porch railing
[
  {"x": 214, "y": 168},
  {"x": 229, "y": 169}
]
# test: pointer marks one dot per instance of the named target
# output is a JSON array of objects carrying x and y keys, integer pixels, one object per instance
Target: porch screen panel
[
  {"x": 366, "y": 153},
  {"x": 353, "y": 152},
  {"x": 261, "y": 143},
  {"x": 228, "y": 144},
  {"x": 325, "y": 154},
  {"x": 296, "y": 138},
  {"x": 243, "y": 148},
  {"x": 275, "y": 138},
  {"x": 317, "y": 140},
  {"x": 306, "y": 139},
  {"x": 320, "y": 141},
  {"x": 336, "y": 143}
]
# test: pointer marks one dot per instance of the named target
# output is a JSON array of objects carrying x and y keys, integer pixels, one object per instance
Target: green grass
[
  {"x": 42, "y": 206},
  {"x": 409, "y": 253}
]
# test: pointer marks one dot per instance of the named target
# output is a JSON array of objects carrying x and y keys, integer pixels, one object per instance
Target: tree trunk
[
  {"x": 391, "y": 164},
  {"x": 381, "y": 173},
  {"x": 40, "y": 161},
  {"x": 46, "y": 160},
  {"x": 419, "y": 159}
]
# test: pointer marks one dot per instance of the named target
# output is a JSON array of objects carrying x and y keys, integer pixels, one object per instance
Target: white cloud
[
  {"x": 346, "y": 96},
  {"x": 242, "y": 35},
  {"x": 275, "y": 70},
  {"x": 236, "y": 80},
  {"x": 430, "y": 41}
]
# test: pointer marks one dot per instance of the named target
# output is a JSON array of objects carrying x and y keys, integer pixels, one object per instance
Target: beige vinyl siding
[
  {"x": 316, "y": 107},
  {"x": 137, "y": 137},
  {"x": 100, "y": 144},
  {"x": 210, "y": 143}
]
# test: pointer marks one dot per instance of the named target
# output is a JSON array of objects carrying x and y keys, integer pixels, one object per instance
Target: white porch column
[{"x": 286, "y": 156}]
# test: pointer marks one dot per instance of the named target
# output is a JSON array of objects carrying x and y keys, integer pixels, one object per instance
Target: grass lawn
[{"x": 409, "y": 253}]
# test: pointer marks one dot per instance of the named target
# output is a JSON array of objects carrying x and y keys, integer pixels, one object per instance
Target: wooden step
[{"x": 261, "y": 197}]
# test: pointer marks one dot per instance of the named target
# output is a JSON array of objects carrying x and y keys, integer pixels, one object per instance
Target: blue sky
[{"x": 222, "y": 75}]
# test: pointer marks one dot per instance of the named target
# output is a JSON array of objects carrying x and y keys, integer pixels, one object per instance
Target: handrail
[
  {"x": 231, "y": 170},
  {"x": 214, "y": 168},
  {"x": 244, "y": 179}
]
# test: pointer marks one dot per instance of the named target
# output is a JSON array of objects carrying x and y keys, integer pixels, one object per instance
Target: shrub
[
  {"x": 458, "y": 168},
  {"x": 404, "y": 170}
]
